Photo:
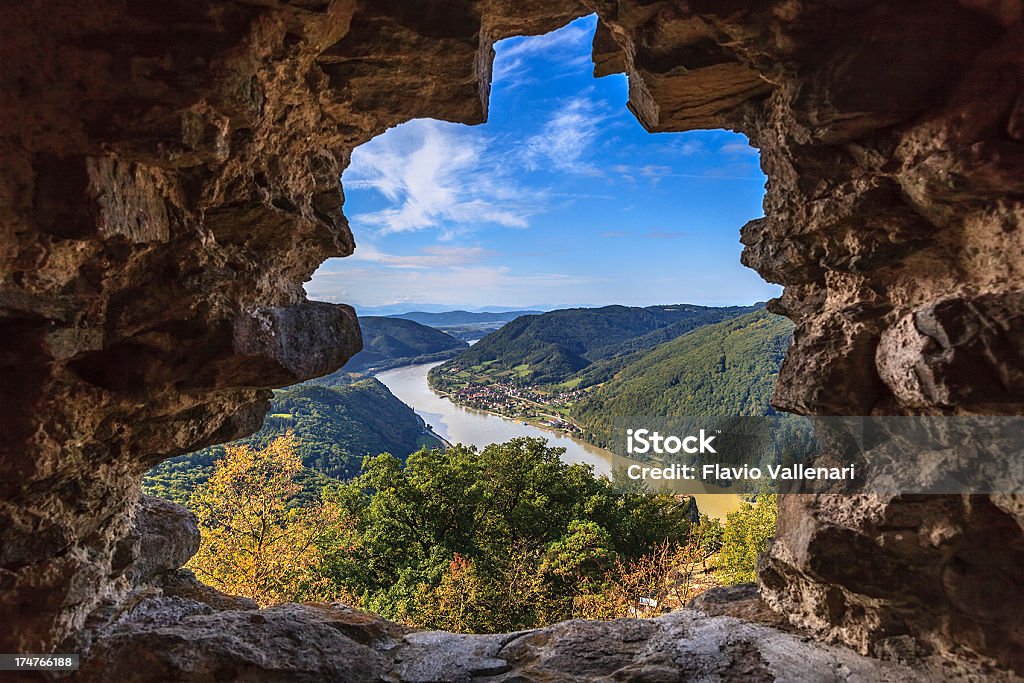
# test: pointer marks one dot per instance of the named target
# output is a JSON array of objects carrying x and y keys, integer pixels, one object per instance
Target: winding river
[{"x": 457, "y": 424}]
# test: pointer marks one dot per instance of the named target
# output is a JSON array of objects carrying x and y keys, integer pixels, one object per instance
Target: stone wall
[{"x": 170, "y": 178}]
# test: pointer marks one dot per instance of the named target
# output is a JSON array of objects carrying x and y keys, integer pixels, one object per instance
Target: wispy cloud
[
  {"x": 430, "y": 256},
  {"x": 471, "y": 285},
  {"x": 734, "y": 149},
  {"x": 437, "y": 176},
  {"x": 651, "y": 172},
  {"x": 568, "y": 46},
  {"x": 686, "y": 147},
  {"x": 565, "y": 139}
]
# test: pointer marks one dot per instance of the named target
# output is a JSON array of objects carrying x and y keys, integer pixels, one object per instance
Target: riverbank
[
  {"x": 543, "y": 422},
  {"x": 543, "y": 407},
  {"x": 430, "y": 439},
  {"x": 458, "y": 424}
]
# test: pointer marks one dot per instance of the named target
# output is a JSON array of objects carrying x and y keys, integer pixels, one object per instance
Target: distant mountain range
[
  {"x": 450, "y": 318},
  {"x": 468, "y": 326},
  {"x": 400, "y": 309},
  {"x": 552, "y": 347}
]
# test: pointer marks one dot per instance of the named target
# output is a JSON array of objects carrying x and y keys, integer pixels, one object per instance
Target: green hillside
[
  {"x": 728, "y": 368},
  {"x": 551, "y": 347},
  {"x": 453, "y": 318},
  {"x": 465, "y": 325},
  {"x": 336, "y": 427},
  {"x": 390, "y": 342}
]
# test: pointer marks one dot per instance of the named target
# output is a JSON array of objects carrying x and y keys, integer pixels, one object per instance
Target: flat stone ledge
[{"x": 171, "y": 638}]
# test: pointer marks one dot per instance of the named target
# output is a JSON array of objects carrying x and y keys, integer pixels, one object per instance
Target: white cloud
[
  {"x": 686, "y": 147},
  {"x": 472, "y": 285},
  {"x": 737, "y": 149},
  {"x": 652, "y": 172},
  {"x": 437, "y": 175},
  {"x": 568, "y": 46},
  {"x": 431, "y": 256},
  {"x": 564, "y": 140}
]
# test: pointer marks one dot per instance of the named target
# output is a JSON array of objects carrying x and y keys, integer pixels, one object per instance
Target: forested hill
[
  {"x": 728, "y": 368},
  {"x": 336, "y": 427},
  {"x": 549, "y": 348},
  {"x": 465, "y": 325},
  {"x": 390, "y": 342},
  {"x": 338, "y": 419},
  {"x": 452, "y": 318}
]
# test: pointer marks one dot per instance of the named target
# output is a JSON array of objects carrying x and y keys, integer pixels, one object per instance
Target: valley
[
  {"x": 465, "y": 325},
  {"x": 392, "y": 342},
  {"x": 457, "y": 423},
  {"x": 399, "y": 394},
  {"x": 711, "y": 369}
]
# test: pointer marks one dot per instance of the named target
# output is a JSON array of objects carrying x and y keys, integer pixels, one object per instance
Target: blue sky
[{"x": 561, "y": 198}]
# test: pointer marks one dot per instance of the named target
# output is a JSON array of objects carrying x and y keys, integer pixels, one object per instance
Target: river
[{"x": 457, "y": 424}]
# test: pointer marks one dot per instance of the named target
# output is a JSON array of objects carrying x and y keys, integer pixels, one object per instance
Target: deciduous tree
[{"x": 253, "y": 542}]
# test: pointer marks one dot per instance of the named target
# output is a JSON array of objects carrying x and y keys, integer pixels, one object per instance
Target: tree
[
  {"x": 253, "y": 542},
  {"x": 746, "y": 535},
  {"x": 494, "y": 540}
]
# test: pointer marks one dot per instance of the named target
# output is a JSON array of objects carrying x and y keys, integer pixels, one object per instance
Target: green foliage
[
  {"x": 391, "y": 342},
  {"x": 493, "y": 540},
  {"x": 584, "y": 552},
  {"x": 556, "y": 345},
  {"x": 745, "y": 537},
  {"x": 176, "y": 478},
  {"x": 728, "y": 368},
  {"x": 336, "y": 428},
  {"x": 254, "y": 541}
]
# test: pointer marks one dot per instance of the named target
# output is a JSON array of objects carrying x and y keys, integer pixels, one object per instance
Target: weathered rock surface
[
  {"x": 743, "y": 602},
  {"x": 890, "y": 134},
  {"x": 165, "y": 639},
  {"x": 170, "y": 178},
  {"x": 164, "y": 537}
]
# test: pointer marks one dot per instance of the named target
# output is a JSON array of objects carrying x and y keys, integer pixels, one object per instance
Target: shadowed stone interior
[{"x": 170, "y": 178}]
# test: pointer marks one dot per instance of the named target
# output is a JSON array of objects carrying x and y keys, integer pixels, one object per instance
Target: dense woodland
[
  {"x": 391, "y": 342},
  {"x": 724, "y": 369},
  {"x": 336, "y": 428},
  {"x": 497, "y": 540},
  {"x": 552, "y": 347},
  {"x": 511, "y": 533}
]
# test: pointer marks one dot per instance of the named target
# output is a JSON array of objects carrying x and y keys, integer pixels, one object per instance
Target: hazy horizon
[{"x": 399, "y": 309}]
